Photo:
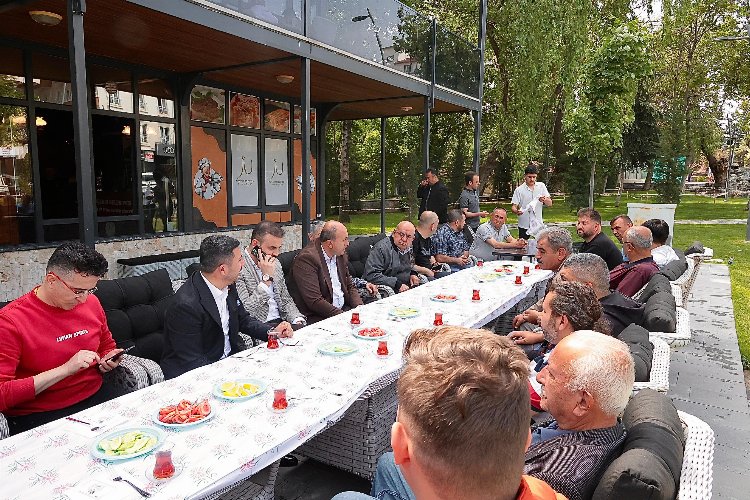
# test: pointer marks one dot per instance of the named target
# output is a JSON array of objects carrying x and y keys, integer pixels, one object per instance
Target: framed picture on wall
[
  {"x": 276, "y": 171},
  {"x": 244, "y": 170}
]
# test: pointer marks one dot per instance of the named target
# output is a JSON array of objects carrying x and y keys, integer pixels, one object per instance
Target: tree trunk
[
  {"x": 346, "y": 132},
  {"x": 718, "y": 168},
  {"x": 649, "y": 176},
  {"x": 591, "y": 185}
]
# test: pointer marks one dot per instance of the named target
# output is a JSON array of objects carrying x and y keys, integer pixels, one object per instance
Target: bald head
[
  {"x": 637, "y": 243},
  {"x": 403, "y": 235},
  {"x": 427, "y": 218},
  {"x": 334, "y": 238}
]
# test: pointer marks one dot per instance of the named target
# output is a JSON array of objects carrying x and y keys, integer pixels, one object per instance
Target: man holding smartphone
[
  {"x": 261, "y": 285},
  {"x": 55, "y": 343}
]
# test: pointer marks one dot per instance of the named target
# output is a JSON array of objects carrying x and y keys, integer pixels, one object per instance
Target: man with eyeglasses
[
  {"x": 55, "y": 343},
  {"x": 391, "y": 260}
]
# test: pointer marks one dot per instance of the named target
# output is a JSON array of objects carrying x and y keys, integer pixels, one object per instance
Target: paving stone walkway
[{"x": 706, "y": 380}]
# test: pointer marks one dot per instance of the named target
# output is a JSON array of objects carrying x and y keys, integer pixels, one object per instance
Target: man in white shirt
[
  {"x": 524, "y": 195},
  {"x": 493, "y": 234},
  {"x": 261, "y": 284},
  {"x": 204, "y": 322},
  {"x": 662, "y": 253}
]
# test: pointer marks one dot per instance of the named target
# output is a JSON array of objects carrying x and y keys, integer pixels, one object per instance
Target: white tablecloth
[{"x": 55, "y": 462}]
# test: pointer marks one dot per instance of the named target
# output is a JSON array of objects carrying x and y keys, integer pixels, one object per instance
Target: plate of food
[
  {"x": 505, "y": 269},
  {"x": 240, "y": 390},
  {"x": 487, "y": 277},
  {"x": 441, "y": 297},
  {"x": 184, "y": 414},
  {"x": 372, "y": 333},
  {"x": 404, "y": 312},
  {"x": 124, "y": 444},
  {"x": 338, "y": 348}
]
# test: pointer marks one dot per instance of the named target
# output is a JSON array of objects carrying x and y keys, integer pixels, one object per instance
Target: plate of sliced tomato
[
  {"x": 370, "y": 333},
  {"x": 441, "y": 297},
  {"x": 184, "y": 414}
]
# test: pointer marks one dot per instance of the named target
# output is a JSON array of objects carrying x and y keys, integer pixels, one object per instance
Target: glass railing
[{"x": 384, "y": 32}]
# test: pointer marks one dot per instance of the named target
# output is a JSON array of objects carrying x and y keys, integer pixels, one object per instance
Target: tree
[{"x": 603, "y": 106}]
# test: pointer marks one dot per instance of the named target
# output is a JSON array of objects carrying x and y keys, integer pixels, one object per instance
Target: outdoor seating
[
  {"x": 259, "y": 486},
  {"x": 681, "y": 335},
  {"x": 135, "y": 308},
  {"x": 659, "y": 375},
  {"x": 643, "y": 354},
  {"x": 130, "y": 376},
  {"x": 652, "y": 462},
  {"x": 363, "y": 433},
  {"x": 659, "y": 313},
  {"x": 677, "y": 294},
  {"x": 696, "y": 477},
  {"x": 175, "y": 264}
]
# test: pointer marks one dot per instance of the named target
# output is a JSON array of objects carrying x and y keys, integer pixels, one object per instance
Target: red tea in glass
[
  {"x": 480, "y": 263},
  {"x": 273, "y": 341},
  {"x": 475, "y": 295},
  {"x": 438, "y": 319},
  {"x": 163, "y": 468},
  {"x": 279, "y": 400},
  {"x": 518, "y": 280},
  {"x": 355, "y": 319},
  {"x": 382, "y": 348},
  {"x": 538, "y": 266},
  {"x": 525, "y": 269}
]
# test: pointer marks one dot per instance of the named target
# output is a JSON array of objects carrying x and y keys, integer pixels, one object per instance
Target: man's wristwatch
[{"x": 266, "y": 277}]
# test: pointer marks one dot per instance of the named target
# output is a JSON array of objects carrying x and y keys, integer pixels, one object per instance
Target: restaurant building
[{"x": 139, "y": 126}]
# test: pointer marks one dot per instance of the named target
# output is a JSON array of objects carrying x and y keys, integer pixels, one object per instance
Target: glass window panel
[
  {"x": 114, "y": 166},
  {"x": 155, "y": 97},
  {"x": 298, "y": 120},
  {"x": 16, "y": 181},
  {"x": 12, "y": 82},
  {"x": 51, "y": 79},
  {"x": 159, "y": 177},
  {"x": 108, "y": 229},
  {"x": 276, "y": 118},
  {"x": 277, "y": 171},
  {"x": 61, "y": 232},
  {"x": 207, "y": 104},
  {"x": 244, "y": 170},
  {"x": 112, "y": 88},
  {"x": 57, "y": 166},
  {"x": 244, "y": 111}
]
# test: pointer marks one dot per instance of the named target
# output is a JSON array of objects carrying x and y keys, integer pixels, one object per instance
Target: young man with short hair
[
  {"x": 468, "y": 201},
  {"x": 662, "y": 253},
  {"x": 524, "y": 197},
  {"x": 589, "y": 227},
  {"x": 55, "y": 344}
]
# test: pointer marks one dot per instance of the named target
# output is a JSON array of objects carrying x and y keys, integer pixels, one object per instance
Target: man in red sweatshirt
[{"x": 55, "y": 344}]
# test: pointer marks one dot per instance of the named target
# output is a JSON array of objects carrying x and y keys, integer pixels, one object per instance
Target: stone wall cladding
[{"x": 21, "y": 271}]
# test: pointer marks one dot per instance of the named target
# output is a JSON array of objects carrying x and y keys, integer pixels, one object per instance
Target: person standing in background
[
  {"x": 524, "y": 195},
  {"x": 434, "y": 195}
]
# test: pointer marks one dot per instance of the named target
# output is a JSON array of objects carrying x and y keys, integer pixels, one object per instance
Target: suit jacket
[
  {"x": 255, "y": 298},
  {"x": 313, "y": 291},
  {"x": 193, "y": 336}
]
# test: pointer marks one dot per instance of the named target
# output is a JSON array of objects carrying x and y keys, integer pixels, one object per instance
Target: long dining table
[{"x": 55, "y": 461}]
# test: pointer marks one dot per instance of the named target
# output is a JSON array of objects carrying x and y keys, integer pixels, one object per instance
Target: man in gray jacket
[
  {"x": 261, "y": 284},
  {"x": 391, "y": 261}
]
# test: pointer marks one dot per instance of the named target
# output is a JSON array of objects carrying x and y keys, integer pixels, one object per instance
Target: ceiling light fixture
[
  {"x": 284, "y": 79},
  {"x": 45, "y": 18},
  {"x": 41, "y": 122},
  {"x": 406, "y": 108}
]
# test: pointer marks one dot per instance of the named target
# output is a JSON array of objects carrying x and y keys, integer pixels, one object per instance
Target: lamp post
[{"x": 357, "y": 19}]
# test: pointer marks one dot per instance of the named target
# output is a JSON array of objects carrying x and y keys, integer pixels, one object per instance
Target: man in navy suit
[{"x": 203, "y": 324}]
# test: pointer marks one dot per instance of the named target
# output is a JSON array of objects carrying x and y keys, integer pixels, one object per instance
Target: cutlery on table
[
  {"x": 143, "y": 493},
  {"x": 83, "y": 422}
]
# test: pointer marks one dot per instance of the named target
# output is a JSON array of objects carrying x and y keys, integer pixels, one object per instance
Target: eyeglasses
[
  {"x": 404, "y": 235},
  {"x": 77, "y": 291}
]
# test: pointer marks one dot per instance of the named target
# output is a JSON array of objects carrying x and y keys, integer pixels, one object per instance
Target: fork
[
  {"x": 143, "y": 493},
  {"x": 92, "y": 429}
]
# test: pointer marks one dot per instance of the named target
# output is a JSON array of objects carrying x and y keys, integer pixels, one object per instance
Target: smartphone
[
  {"x": 119, "y": 354},
  {"x": 256, "y": 251}
]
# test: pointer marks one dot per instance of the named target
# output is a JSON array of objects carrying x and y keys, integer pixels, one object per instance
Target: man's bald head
[
  {"x": 427, "y": 218},
  {"x": 403, "y": 235},
  {"x": 637, "y": 243},
  {"x": 334, "y": 238}
]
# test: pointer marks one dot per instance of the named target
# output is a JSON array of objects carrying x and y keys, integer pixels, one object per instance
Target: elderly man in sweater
[{"x": 391, "y": 261}]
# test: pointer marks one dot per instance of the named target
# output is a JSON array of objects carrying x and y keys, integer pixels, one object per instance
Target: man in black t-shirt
[
  {"x": 589, "y": 228},
  {"x": 434, "y": 195},
  {"x": 424, "y": 252}
]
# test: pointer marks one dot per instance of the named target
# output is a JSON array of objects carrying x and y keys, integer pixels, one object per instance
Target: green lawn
[{"x": 728, "y": 241}]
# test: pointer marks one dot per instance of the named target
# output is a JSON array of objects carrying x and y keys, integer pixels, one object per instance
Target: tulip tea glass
[
  {"x": 438, "y": 319},
  {"x": 163, "y": 466},
  {"x": 383, "y": 349},
  {"x": 280, "y": 403}
]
